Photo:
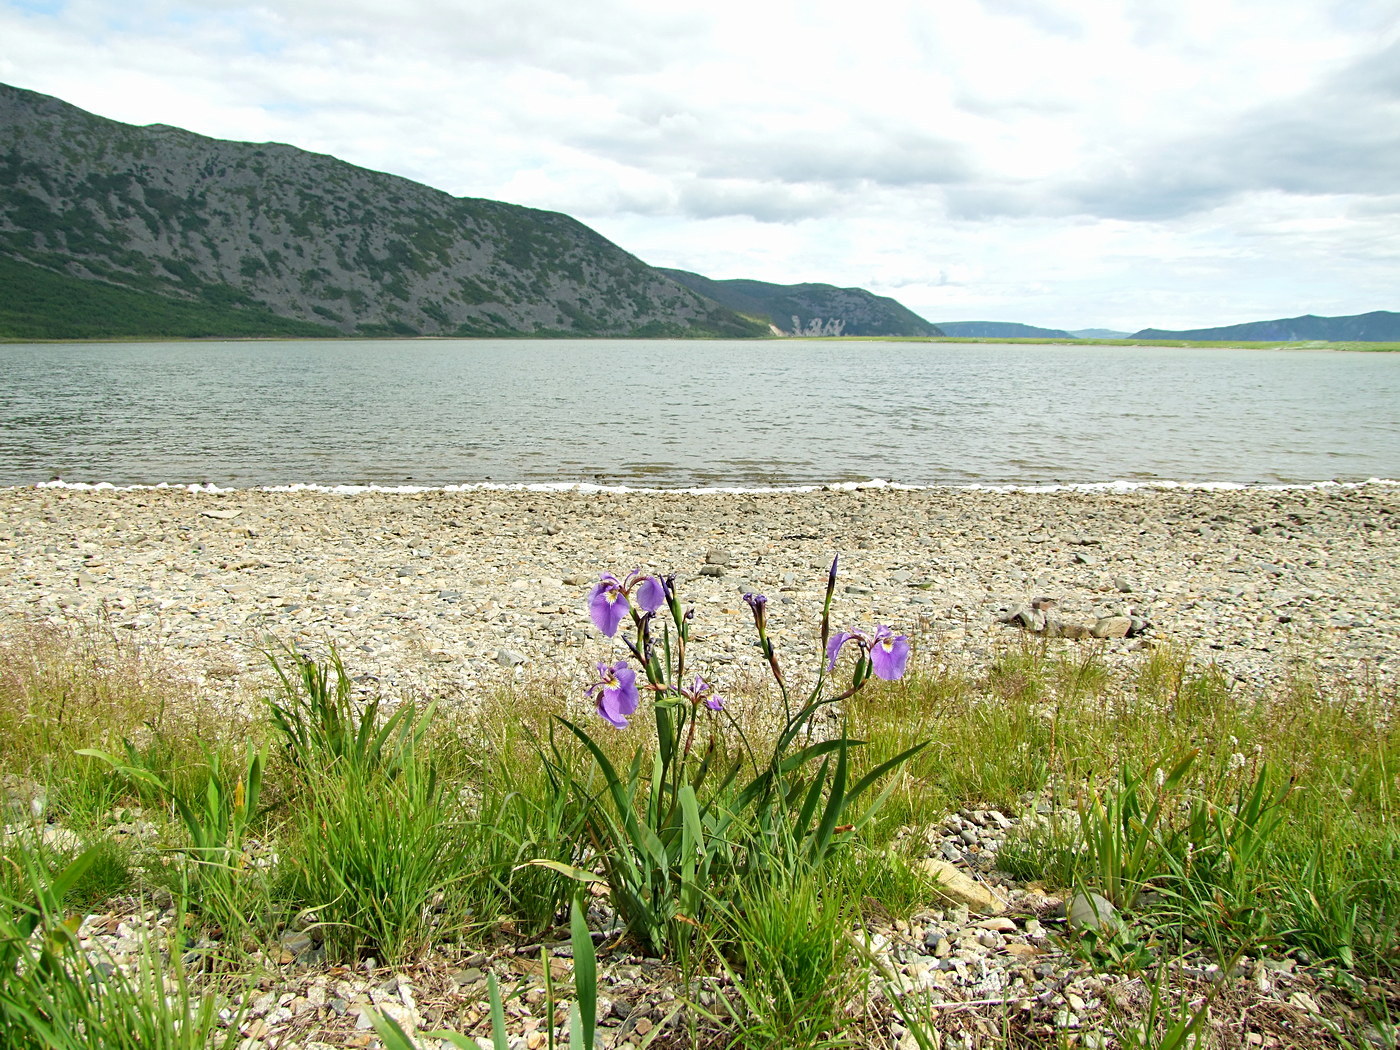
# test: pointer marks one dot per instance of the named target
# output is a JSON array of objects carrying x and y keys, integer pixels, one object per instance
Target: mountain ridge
[
  {"x": 1000, "y": 330},
  {"x": 1376, "y": 326},
  {"x": 230, "y": 226},
  {"x": 812, "y": 309}
]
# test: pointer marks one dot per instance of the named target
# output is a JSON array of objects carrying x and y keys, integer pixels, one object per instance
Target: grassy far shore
[
  {"x": 206, "y": 323},
  {"x": 317, "y": 830},
  {"x": 1360, "y": 347}
]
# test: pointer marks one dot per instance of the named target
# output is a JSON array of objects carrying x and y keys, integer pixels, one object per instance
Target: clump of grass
[
  {"x": 57, "y": 996},
  {"x": 1272, "y": 830},
  {"x": 26, "y": 860},
  {"x": 375, "y": 844},
  {"x": 886, "y": 881},
  {"x": 216, "y": 821},
  {"x": 62, "y": 690},
  {"x": 787, "y": 938},
  {"x": 372, "y": 860},
  {"x": 324, "y": 730}
]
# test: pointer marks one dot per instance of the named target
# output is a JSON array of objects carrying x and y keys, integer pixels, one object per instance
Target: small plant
[
  {"x": 1122, "y": 831},
  {"x": 669, "y": 826},
  {"x": 1218, "y": 863},
  {"x": 1164, "y": 1027},
  {"x": 583, "y": 1011},
  {"x": 216, "y": 821},
  {"x": 1118, "y": 948},
  {"x": 322, "y": 727}
]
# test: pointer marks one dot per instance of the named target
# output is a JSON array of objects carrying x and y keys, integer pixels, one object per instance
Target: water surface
[{"x": 671, "y": 414}]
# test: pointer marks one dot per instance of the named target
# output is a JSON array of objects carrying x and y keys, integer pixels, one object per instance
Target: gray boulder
[{"x": 1090, "y": 911}]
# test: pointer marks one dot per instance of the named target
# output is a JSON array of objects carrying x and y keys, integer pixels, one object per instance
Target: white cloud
[{"x": 1172, "y": 163}]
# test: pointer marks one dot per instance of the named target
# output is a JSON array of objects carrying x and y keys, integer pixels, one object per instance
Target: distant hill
[
  {"x": 111, "y": 229},
  {"x": 810, "y": 309},
  {"x": 1380, "y": 326},
  {"x": 1099, "y": 333},
  {"x": 999, "y": 330}
]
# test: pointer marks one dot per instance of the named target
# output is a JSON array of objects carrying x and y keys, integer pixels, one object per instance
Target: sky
[{"x": 1066, "y": 163}]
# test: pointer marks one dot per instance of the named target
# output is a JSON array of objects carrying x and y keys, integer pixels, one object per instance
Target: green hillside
[
  {"x": 40, "y": 304},
  {"x": 1379, "y": 326},
  {"x": 1000, "y": 330}
]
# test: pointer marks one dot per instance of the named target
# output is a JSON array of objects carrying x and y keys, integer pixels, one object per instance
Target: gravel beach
[{"x": 444, "y": 592}]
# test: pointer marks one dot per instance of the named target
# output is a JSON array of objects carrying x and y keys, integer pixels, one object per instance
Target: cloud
[
  {"x": 1051, "y": 19},
  {"x": 816, "y": 165},
  {"x": 763, "y": 201},
  {"x": 1341, "y": 136}
]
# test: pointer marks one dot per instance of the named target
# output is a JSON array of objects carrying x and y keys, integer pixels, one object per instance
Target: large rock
[
  {"x": 958, "y": 887},
  {"x": 1112, "y": 627}
]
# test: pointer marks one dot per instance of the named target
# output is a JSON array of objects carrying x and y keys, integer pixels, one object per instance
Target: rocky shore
[{"x": 447, "y": 593}]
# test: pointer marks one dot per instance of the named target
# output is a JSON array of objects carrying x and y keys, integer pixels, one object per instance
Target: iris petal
[
  {"x": 651, "y": 595},
  {"x": 617, "y": 693},
  {"x": 607, "y": 605},
  {"x": 833, "y": 647},
  {"x": 889, "y": 654}
]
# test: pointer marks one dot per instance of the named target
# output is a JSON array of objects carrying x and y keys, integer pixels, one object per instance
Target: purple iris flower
[
  {"x": 616, "y": 691},
  {"x": 888, "y": 652},
  {"x": 702, "y": 690},
  {"x": 607, "y": 601},
  {"x": 759, "y": 604}
]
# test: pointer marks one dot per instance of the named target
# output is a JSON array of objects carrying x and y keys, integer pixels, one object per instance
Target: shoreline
[
  {"x": 455, "y": 591},
  {"x": 588, "y": 487}
]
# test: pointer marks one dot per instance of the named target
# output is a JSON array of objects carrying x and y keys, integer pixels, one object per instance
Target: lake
[{"x": 677, "y": 414}]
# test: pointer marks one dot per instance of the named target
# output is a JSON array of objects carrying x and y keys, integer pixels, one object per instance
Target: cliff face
[
  {"x": 271, "y": 228},
  {"x": 811, "y": 309}
]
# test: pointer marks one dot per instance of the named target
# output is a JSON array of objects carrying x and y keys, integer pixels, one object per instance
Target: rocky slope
[
  {"x": 176, "y": 216},
  {"x": 811, "y": 309}
]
